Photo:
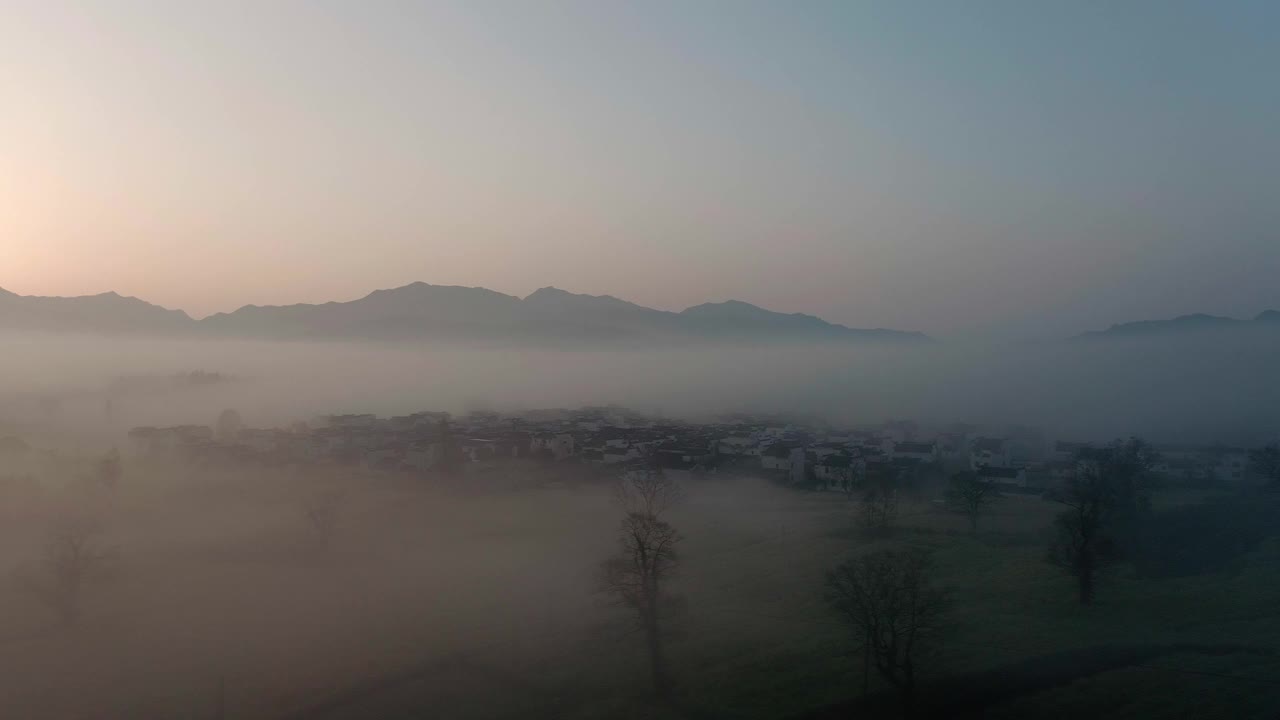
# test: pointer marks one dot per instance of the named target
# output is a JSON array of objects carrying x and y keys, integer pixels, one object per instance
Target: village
[{"x": 608, "y": 439}]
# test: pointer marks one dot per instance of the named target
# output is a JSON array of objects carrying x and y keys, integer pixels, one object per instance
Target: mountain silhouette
[
  {"x": 1182, "y": 325},
  {"x": 420, "y": 311},
  {"x": 107, "y": 313}
]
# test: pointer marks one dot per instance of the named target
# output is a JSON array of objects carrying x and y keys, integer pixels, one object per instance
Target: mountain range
[
  {"x": 421, "y": 311},
  {"x": 1184, "y": 324},
  {"x": 107, "y": 313}
]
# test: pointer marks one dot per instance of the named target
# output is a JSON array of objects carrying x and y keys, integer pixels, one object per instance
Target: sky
[{"x": 982, "y": 168}]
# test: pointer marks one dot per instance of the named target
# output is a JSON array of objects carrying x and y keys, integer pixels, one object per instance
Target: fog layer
[{"x": 1201, "y": 388}]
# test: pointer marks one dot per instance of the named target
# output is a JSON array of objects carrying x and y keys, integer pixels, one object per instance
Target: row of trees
[
  {"x": 1107, "y": 515},
  {"x": 886, "y": 596},
  {"x": 75, "y": 555},
  {"x": 1107, "y": 506},
  {"x": 894, "y": 611}
]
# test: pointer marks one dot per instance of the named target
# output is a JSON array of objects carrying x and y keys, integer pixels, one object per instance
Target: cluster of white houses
[{"x": 424, "y": 441}]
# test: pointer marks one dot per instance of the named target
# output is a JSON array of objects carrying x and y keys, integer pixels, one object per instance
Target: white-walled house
[
  {"x": 735, "y": 445},
  {"x": 614, "y": 454},
  {"x": 992, "y": 452},
  {"x": 559, "y": 445}
]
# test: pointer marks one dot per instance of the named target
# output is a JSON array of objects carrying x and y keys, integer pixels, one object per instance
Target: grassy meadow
[{"x": 484, "y": 604}]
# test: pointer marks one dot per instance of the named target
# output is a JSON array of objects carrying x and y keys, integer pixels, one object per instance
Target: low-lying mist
[
  {"x": 214, "y": 597},
  {"x": 1196, "y": 388},
  {"x": 285, "y": 592}
]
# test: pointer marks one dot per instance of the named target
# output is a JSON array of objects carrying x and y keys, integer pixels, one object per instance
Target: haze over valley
[{"x": 697, "y": 360}]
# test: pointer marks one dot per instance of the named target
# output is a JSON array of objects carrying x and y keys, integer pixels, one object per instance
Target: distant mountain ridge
[
  {"x": 422, "y": 311},
  {"x": 104, "y": 313},
  {"x": 1196, "y": 322}
]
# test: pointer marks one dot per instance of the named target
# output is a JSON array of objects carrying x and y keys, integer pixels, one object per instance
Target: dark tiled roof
[{"x": 778, "y": 450}]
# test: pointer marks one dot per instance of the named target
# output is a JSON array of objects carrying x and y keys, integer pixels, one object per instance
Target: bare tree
[
  {"x": 851, "y": 478},
  {"x": 321, "y": 510},
  {"x": 1082, "y": 547},
  {"x": 894, "y": 611},
  {"x": 1266, "y": 462},
  {"x": 879, "y": 506},
  {"x": 636, "y": 576},
  {"x": 647, "y": 490},
  {"x": 1126, "y": 466},
  {"x": 73, "y": 558},
  {"x": 1107, "y": 501},
  {"x": 636, "y": 579},
  {"x": 971, "y": 496}
]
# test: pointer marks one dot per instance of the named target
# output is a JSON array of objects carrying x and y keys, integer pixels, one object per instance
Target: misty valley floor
[{"x": 435, "y": 604}]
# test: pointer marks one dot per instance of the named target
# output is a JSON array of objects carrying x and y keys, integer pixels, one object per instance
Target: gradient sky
[{"x": 1009, "y": 168}]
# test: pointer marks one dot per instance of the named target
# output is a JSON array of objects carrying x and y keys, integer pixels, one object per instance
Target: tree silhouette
[
  {"x": 971, "y": 496},
  {"x": 893, "y": 610},
  {"x": 879, "y": 507},
  {"x": 636, "y": 578},
  {"x": 73, "y": 558},
  {"x": 637, "y": 575}
]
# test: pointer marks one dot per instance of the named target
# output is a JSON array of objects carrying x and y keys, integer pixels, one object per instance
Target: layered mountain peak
[
  {"x": 1201, "y": 319},
  {"x": 726, "y": 307},
  {"x": 549, "y": 292},
  {"x": 419, "y": 293},
  {"x": 554, "y": 295},
  {"x": 741, "y": 314}
]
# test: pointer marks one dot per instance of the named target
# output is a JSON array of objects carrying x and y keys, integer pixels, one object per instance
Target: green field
[
  {"x": 756, "y": 639},
  {"x": 440, "y": 604}
]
